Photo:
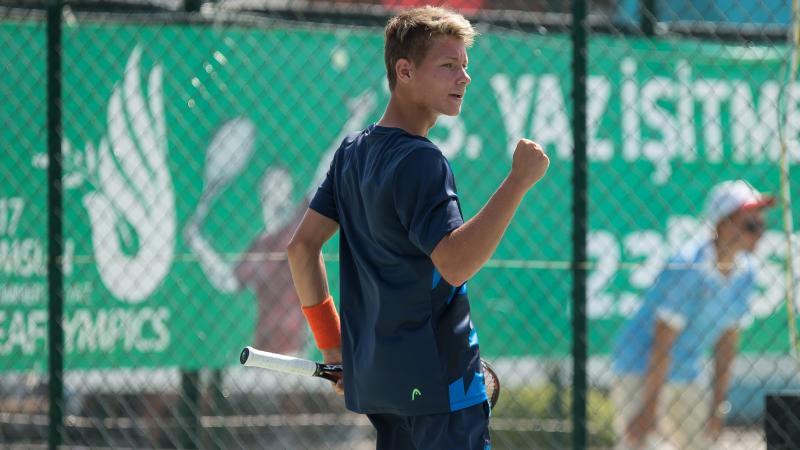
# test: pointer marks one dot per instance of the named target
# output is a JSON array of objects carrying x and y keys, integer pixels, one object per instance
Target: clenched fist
[{"x": 529, "y": 164}]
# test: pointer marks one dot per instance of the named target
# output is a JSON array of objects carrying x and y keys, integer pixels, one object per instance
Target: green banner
[{"x": 190, "y": 153}]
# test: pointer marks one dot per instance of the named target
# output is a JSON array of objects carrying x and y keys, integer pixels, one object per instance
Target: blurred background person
[
  {"x": 693, "y": 308},
  {"x": 264, "y": 267}
]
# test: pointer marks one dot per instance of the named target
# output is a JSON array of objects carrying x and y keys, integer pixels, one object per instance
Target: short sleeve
[
  {"x": 675, "y": 290},
  {"x": 425, "y": 198},
  {"x": 324, "y": 201}
]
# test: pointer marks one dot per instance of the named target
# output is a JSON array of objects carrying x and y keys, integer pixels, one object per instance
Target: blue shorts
[{"x": 465, "y": 429}]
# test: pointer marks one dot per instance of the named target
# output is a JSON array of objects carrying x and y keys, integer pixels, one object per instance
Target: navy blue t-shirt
[{"x": 408, "y": 344}]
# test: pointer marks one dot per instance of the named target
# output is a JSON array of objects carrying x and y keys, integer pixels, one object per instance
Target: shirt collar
[{"x": 707, "y": 262}]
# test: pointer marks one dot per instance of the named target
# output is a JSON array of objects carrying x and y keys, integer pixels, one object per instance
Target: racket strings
[{"x": 492, "y": 383}]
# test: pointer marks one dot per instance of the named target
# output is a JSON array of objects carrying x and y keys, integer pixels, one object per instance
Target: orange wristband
[{"x": 324, "y": 322}]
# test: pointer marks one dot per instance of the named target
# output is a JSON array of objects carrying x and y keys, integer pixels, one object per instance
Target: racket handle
[{"x": 251, "y": 357}]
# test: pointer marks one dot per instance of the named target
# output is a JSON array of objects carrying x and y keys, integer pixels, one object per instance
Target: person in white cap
[{"x": 693, "y": 308}]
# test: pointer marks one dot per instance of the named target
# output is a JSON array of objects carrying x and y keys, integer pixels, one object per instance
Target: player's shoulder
[
  {"x": 396, "y": 148},
  {"x": 423, "y": 162},
  {"x": 353, "y": 139},
  {"x": 349, "y": 147},
  {"x": 692, "y": 253},
  {"x": 418, "y": 151}
]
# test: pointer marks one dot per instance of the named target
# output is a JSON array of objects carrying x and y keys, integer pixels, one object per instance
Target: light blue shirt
[{"x": 693, "y": 297}]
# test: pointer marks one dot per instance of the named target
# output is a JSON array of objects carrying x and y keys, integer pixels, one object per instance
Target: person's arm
[
  {"x": 460, "y": 254},
  {"x": 219, "y": 272},
  {"x": 657, "y": 367},
  {"x": 724, "y": 353},
  {"x": 308, "y": 268},
  {"x": 305, "y": 257}
]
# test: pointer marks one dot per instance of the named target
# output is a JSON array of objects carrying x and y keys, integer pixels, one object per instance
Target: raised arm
[{"x": 459, "y": 255}]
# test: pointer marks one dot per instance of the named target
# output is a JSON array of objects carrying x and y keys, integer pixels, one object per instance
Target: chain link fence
[{"x": 194, "y": 134}]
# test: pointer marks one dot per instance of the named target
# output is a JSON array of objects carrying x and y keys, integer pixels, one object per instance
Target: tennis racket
[{"x": 251, "y": 357}]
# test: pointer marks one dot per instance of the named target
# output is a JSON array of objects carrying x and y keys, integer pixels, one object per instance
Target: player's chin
[
  {"x": 748, "y": 246},
  {"x": 451, "y": 110}
]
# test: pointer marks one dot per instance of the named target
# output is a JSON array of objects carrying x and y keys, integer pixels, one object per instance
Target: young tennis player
[{"x": 406, "y": 342}]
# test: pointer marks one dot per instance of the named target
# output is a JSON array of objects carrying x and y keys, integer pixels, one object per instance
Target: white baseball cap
[{"x": 730, "y": 196}]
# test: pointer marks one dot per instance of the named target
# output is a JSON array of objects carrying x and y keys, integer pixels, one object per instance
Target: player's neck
[{"x": 404, "y": 114}]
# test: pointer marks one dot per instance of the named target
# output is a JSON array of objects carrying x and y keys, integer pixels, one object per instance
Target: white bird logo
[{"x": 132, "y": 209}]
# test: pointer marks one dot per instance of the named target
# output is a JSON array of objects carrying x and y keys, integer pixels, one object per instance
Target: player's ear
[{"x": 404, "y": 69}]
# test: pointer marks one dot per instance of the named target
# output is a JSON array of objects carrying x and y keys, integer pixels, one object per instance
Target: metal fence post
[
  {"x": 649, "y": 13},
  {"x": 55, "y": 276},
  {"x": 189, "y": 409},
  {"x": 579, "y": 225}
]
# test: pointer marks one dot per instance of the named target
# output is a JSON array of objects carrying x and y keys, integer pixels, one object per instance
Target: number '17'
[{"x": 10, "y": 214}]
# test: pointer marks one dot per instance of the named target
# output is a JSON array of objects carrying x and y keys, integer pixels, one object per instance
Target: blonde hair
[{"x": 410, "y": 34}]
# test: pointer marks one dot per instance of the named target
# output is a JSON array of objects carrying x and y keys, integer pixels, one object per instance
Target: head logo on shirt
[{"x": 415, "y": 393}]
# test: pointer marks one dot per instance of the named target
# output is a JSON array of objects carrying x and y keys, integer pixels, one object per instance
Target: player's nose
[{"x": 465, "y": 78}]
